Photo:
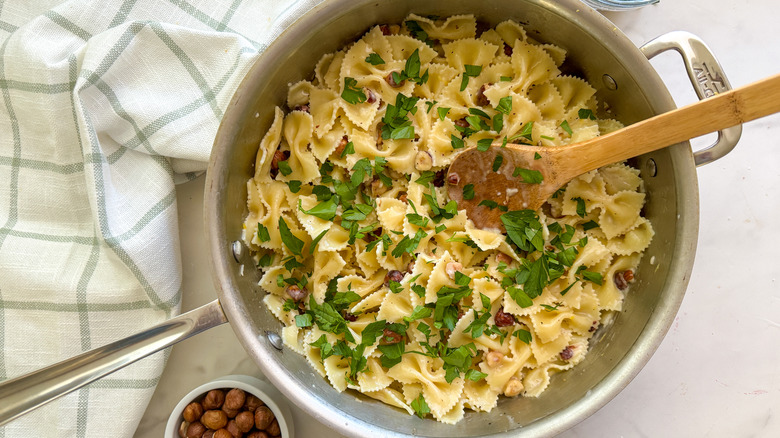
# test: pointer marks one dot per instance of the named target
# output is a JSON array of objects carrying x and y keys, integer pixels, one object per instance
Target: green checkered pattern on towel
[{"x": 105, "y": 106}]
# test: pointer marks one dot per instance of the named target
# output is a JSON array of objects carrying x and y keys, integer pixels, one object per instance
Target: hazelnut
[
  {"x": 391, "y": 80},
  {"x": 403, "y": 197},
  {"x": 453, "y": 179},
  {"x": 507, "y": 49},
  {"x": 439, "y": 178},
  {"x": 342, "y": 144},
  {"x": 232, "y": 427},
  {"x": 452, "y": 268},
  {"x": 183, "y": 429},
  {"x": 214, "y": 419},
  {"x": 482, "y": 100},
  {"x": 258, "y": 434},
  {"x": 385, "y": 29},
  {"x": 192, "y": 412},
  {"x": 304, "y": 108},
  {"x": 214, "y": 399},
  {"x": 423, "y": 161},
  {"x": 252, "y": 403},
  {"x": 370, "y": 96},
  {"x": 503, "y": 258},
  {"x": 208, "y": 434},
  {"x": 391, "y": 337},
  {"x": 378, "y": 187},
  {"x": 395, "y": 276},
  {"x": 410, "y": 267},
  {"x": 351, "y": 317},
  {"x": 513, "y": 387},
  {"x": 195, "y": 430},
  {"x": 245, "y": 421},
  {"x": 263, "y": 417},
  {"x": 222, "y": 433},
  {"x": 296, "y": 293},
  {"x": 235, "y": 399},
  {"x": 567, "y": 353},
  {"x": 274, "y": 429},
  {"x": 622, "y": 278},
  {"x": 279, "y": 156},
  {"x": 394, "y": 29},
  {"x": 504, "y": 319},
  {"x": 231, "y": 413},
  {"x": 463, "y": 123},
  {"x": 493, "y": 358}
]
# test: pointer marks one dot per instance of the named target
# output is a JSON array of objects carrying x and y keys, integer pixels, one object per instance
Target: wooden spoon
[{"x": 560, "y": 164}]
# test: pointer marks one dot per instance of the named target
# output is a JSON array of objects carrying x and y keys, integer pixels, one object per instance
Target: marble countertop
[{"x": 717, "y": 372}]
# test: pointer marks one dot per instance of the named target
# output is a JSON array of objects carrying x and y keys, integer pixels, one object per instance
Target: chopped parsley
[
  {"x": 529, "y": 176},
  {"x": 585, "y": 113},
  {"x": 566, "y": 127},
  {"x": 375, "y": 59},
  {"x": 468, "y": 192},
  {"x": 471, "y": 71},
  {"x": 351, "y": 93},
  {"x": 294, "y": 244},
  {"x": 262, "y": 233}
]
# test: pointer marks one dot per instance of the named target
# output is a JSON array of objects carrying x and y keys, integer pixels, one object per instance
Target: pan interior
[{"x": 595, "y": 51}]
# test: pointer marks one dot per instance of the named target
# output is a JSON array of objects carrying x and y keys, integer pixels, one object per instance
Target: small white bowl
[{"x": 251, "y": 385}]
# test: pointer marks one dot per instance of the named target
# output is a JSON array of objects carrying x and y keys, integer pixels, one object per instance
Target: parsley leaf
[
  {"x": 324, "y": 210},
  {"x": 374, "y": 59},
  {"x": 471, "y": 71},
  {"x": 457, "y": 143},
  {"x": 566, "y": 127},
  {"x": 442, "y": 112},
  {"x": 396, "y": 121},
  {"x": 475, "y": 375},
  {"x": 484, "y": 144},
  {"x": 351, "y": 93},
  {"x": 523, "y": 335},
  {"x": 420, "y": 406},
  {"x": 529, "y": 176},
  {"x": 580, "y": 206},
  {"x": 418, "y": 32},
  {"x": 585, "y": 113},
  {"x": 505, "y": 105},
  {"x": 262, "y": 233},
  {"x": 348, "y": 150},
  {"x": 497, "y": 162},
  {"x": 419, "y": 312},
  {"x": 284, "y": 168},
  {"x": 294, "y": 244},
  {"x": 594, "y": 277},
  {"x": 294, "y": 185},
  {"x": 468, "y": 191}
]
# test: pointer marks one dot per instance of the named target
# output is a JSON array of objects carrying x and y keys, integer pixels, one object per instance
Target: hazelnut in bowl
[{"x": 231, "y": 407}]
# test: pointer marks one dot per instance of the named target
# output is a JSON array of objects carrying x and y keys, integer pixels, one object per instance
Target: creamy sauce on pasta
[{"x": 380, "y": 281}]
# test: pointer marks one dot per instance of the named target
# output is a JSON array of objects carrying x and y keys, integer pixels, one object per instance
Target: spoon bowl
[{"x": 508, "y": 176}]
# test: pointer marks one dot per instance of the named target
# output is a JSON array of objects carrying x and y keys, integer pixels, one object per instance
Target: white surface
[{"x": 717, "y": 373}]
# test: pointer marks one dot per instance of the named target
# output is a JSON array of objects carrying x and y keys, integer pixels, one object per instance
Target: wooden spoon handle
[{"x": 722, "y": 111}]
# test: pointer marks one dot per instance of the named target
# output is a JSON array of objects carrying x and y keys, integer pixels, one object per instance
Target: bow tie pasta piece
[{"x": 452, "y": 28}]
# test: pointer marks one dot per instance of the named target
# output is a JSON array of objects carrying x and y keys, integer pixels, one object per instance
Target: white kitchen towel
[{"x": 104, "y": 106}]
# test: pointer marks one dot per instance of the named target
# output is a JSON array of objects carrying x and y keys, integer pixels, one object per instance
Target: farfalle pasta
[{"x": 380, "y": 281}]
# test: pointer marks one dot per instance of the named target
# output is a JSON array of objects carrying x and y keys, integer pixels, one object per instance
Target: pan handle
[
  {"x": 30, "y": 391},
  {"x": 707, "y": 78}
]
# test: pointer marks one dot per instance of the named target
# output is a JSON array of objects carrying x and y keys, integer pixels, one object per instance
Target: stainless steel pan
[{"x": 597, "y": 51}]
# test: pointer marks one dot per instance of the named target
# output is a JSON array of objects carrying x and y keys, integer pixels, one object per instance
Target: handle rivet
[
  {"x": 652, "y": 168},
  {"x": 237, "y": 248},
  {"x": 274, "y": 339},
  {"x": 609, "y": 82}
]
